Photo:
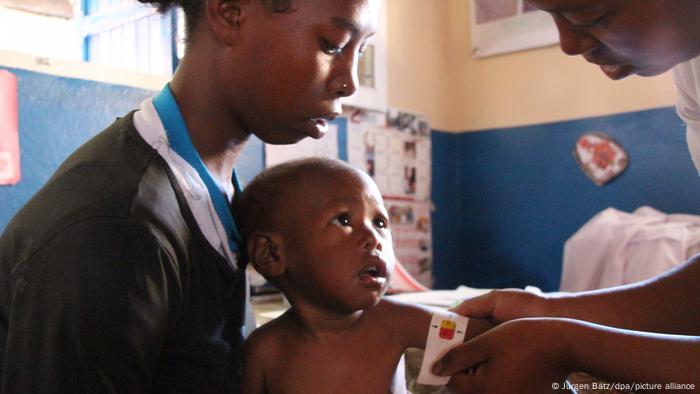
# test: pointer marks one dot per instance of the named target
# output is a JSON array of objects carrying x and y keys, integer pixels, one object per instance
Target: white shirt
[
  {"x": 687, "y": 77},
  {"x": 150, "y": 127}
]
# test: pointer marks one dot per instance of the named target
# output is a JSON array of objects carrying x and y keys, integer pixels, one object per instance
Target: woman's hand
[
  {"x": 519, "y": 356},
  {"x": 499, "y": 306}
]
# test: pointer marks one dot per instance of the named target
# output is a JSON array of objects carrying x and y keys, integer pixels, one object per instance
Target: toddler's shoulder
[
  {"x": 391, "y": 305},
  {"x": 404, "y": 322},
  {"x": 396, "y": 312},
  {"x": 267, "y": 339}
]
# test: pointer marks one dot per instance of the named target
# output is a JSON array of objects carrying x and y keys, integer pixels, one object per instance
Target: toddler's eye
[
  {"x": 380, "y": 223},
  {"x": 342, "y": 220}
]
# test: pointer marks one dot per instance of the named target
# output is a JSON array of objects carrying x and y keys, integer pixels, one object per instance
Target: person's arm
[
  {"x": 536, "y": 355},
  {"x": 411, "y": 322},
  {"x": 407, "y": 323},
  {"x": 90, "y": 311},
  {"x": 665, "y": 304},
  {"x": 254, "y": 354}
]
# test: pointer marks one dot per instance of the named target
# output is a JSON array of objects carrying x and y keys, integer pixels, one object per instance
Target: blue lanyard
[{"x": 181, "y": 143}]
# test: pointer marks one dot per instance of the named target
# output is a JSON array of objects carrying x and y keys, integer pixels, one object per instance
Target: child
[{"x": 319, "y": 231}]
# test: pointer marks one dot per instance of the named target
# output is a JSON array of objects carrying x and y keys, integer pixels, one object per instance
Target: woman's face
[
  {"x": 293, "y": 67},
  {"x": 625, "y": 37}
]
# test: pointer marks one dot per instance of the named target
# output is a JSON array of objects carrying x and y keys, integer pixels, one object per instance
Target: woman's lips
[
  {"x": 610, "y": 66},
  {"x": 319, "y": 125},
  {"x": 319, "y": 129},
  {"x": 617, "y": 71}
]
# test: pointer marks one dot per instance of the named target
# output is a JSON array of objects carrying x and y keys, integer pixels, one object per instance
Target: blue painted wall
[
  {"x": 57, "y": 115},
  {"x": 507, "y": 199}
]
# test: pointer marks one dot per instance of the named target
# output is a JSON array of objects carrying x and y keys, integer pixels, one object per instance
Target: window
[
  {"x": 129, "y": 35},
  {"x": 122, "y": 34}
]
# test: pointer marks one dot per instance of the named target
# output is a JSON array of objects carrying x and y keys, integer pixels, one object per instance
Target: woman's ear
[
  {"x": 225, "y": 18},
  {"x": 265, "y": 254}
]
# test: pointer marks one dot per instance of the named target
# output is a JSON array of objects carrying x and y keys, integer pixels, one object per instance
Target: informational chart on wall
[
  {"x": 395, "y": 151},
  {"x": 396, "y": 155},
  {"x": 328, "y": 146},
  {"x": 500, "y": 26},
  {"x": 9, "y": 129}
]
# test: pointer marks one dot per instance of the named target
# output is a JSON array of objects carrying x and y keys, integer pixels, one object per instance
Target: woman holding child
[{"x": 132, "y": 281}]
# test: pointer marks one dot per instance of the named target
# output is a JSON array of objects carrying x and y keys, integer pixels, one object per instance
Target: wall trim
[{"x": 86, "y": 71}]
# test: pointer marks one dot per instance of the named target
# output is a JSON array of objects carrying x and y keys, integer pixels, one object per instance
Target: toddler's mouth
[{"x": 375, "y": 273}]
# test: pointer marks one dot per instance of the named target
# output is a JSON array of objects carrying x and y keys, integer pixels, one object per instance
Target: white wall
[{"x": 431, "y": 70}]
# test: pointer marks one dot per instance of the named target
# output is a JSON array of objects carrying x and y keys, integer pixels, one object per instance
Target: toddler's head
[{"x": 318, "y": 229}]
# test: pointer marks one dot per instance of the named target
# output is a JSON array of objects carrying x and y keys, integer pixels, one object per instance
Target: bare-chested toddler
[{"x": 319, "y": 231}]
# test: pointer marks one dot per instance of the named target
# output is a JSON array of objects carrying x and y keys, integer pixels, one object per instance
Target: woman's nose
[
  {"x": 345, "y": 82},
  {"x": 574, "y": 40}
]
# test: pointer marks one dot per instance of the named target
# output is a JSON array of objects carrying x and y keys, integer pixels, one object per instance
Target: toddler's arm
[
  {"x": 411, "y": 322},
  {"x": 254, "y": 365}
]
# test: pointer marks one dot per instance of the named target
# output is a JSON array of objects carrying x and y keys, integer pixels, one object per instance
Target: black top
[{"x": 108, "y": 285}]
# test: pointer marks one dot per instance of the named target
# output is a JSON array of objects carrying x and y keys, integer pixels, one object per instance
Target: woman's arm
[
  {"x": 536, "y": 355},
  {"x": 411, "y": 322},
  {"x": 665, "y": 304}
]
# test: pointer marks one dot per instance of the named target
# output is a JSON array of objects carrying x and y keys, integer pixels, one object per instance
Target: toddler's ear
[{"x": 265, "y": 255}]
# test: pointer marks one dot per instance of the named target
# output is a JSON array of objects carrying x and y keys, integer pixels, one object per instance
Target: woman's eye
[
  {"x": 380, "y": 223},
  {"x": 330, "y": 49},
  {"x": 585, "y": 24},
  {"x": 342, "y": 220},
  {"x": 590, "y": 23},
  {"x": 361, "y": 52}
]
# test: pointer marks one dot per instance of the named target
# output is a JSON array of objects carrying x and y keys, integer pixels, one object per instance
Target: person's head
[
  {"x": 318, "y": 229},
  {"x": 625, "y": 37},
  {"x": 280, "y": 67}
]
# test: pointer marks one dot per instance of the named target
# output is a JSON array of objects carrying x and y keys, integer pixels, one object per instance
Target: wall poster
[
  {"x": 395, "y": 150},
  {"x": 500, "y": 26},
  {"x": 9, "y": 129}
]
